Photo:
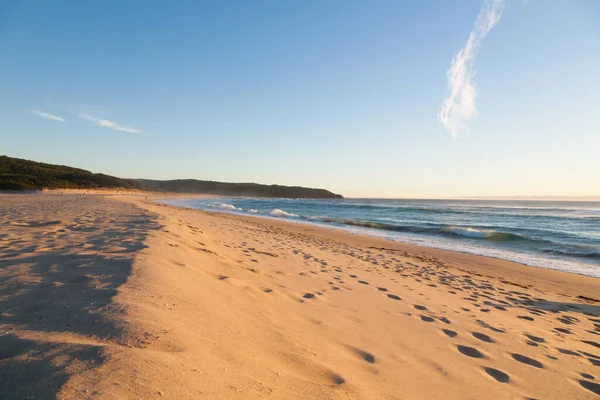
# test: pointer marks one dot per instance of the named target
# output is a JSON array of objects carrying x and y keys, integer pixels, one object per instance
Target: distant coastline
[{"x": 18, "y": 174}]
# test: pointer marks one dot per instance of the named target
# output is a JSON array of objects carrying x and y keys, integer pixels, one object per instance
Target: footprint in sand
[
  {"x": 308, "y": 295},
  {"x": 567, "y": 320},
  {"x": 591, "y": 386},
  {"x": 449, "y": 333},
  {"x": 418, "y": 307},
  {"x": 595, "y": 344},
  {"x": 469, "y": 351},
  {"x": 425, "y": 318},
  {"x": 394, "y": 297},
  {"x": 365, "y": 355},
  {"x": 337, "y": 379},
  {"x": 497, "y": 374},
  {"x": 536, "y": 339},
  {"x": 592, "y": 358},
  {"x": 595, "y": 362},
  {"x": 568, "y": 352},
  {"x": 526, "y": 360},
  {"x": 382, "y": 289},
  {"x": 487, "y": 326},
  {"x": 483, "y": 337},
  {"x": 563, "y": 330},
  {"x": 525, "y": 317}
]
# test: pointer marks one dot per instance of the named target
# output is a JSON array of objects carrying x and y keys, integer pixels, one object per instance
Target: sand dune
[{"x": 125, "y": 298}]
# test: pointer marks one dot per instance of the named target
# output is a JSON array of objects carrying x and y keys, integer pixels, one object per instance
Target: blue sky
[{"x": 343, "y": 95}]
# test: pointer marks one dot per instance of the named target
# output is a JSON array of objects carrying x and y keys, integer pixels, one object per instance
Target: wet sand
[{"x": 119, "y": 297}]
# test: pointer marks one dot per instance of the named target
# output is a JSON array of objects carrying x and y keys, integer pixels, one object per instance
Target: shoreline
[
  {"x": 458, "y": 257},
  {"x": 124, "y": 297},
  {"x": 364, "y": 232}
]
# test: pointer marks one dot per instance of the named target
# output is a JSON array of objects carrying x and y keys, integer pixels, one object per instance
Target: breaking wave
[
  {"x": 467, "y": 232},
  {"x": 488, "y": 234},
  {"x": 225, "y": 206},
  {"x": 280, "y": 213}
]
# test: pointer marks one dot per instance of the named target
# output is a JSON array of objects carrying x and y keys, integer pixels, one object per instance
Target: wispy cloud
[
  {"x": 108, "y": 124},
  {"x": 48, "y": 116},
  {"x": 459, "y": 107}
]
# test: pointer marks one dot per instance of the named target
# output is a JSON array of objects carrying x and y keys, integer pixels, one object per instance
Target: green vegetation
[
  {"x": 17, "y": 174},
  {"x": 237, "y": 189}
]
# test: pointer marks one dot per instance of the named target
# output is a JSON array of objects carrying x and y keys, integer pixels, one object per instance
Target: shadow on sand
[{"x": 56, "y": 284}]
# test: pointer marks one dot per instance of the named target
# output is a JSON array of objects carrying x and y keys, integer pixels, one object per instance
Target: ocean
[{"x": 547, "y": 234}]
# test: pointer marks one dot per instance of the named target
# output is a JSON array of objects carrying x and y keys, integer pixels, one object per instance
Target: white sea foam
[
  {"x": 280, "y": 213},
  {"x": 469, "y": 232},
  {"x": 228, "y": 207},
  {"x": 253, "y": 211}
]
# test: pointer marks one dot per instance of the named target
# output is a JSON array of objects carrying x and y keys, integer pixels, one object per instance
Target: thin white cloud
[
  {"x": 459, "y": 107},
  {"x": 48, "y": 116},
  {"x": 108, "y": 124}
]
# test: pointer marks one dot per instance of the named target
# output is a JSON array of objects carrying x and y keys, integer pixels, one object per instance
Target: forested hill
[
  {"x": 237, "y": 189},
  {"x": 18, "y": 174}
]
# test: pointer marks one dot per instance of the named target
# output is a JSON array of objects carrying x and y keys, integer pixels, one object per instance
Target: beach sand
[{"x": 118, "y": 297}]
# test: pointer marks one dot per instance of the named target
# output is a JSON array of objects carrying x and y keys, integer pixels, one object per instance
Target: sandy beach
[{"x": 118, "y": 297}]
